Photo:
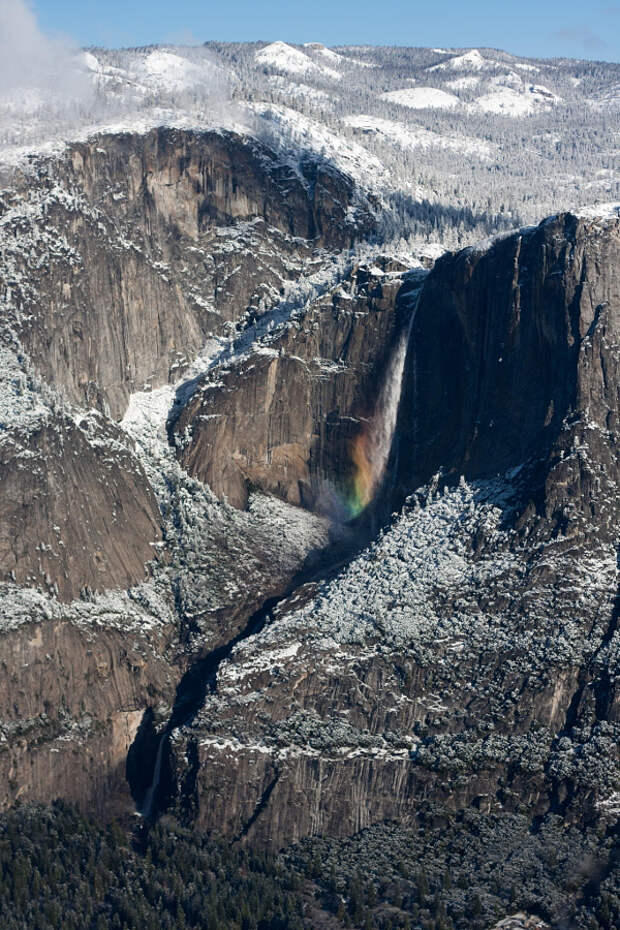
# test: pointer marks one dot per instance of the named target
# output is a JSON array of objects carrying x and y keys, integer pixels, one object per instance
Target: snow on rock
[
  {"x": 386, "y": 590},
  {"x": 599, "y": 211},
  {"x": 470, "y": 61},
  {"x": 421, "y": 98},
  {"x": 307, "y": 133},
  {"x": 411, "y": 136},
  {"x": 395, "y": 595},
  {"x": 147, "y": 411},
  {"x": 24, "y": 401},
  {"x": 291, "y": 60},
  {"x": 515, "y": 100},
  {"x": 137, "y": 610}
]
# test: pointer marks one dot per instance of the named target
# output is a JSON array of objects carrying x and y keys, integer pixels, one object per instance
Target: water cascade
[
  {"x": 149, "y": 798},
  {"x": 370, "y": 450}
]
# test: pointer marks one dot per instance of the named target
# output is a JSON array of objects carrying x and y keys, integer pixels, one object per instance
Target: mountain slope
[{"x": 470, "y": 654}]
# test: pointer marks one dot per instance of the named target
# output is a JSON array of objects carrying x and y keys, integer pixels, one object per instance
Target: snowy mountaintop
[
  {"x": 394, "y": 119},
  {"x": 469, "y": 61},
  {"x": 291, "y": 60}
]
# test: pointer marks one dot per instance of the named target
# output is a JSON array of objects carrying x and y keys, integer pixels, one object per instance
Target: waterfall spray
[{"x": 370, "y": 450}]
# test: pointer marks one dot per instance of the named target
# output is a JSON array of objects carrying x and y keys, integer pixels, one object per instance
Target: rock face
[
  {"x": 73, "y": 696},
  {"x": 76, "y": 509},
  {"x": 519, "y": 365},
  {"x": 120, "y": 259},
  {"x": 283, "y": 419},
  {"x": 124, "y": 257},
  {"x": 470, "y": 656}
]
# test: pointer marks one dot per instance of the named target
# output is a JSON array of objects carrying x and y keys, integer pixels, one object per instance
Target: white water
[
  {"x": 380, "y": 432},
  {"x": 389, "y": 401}
]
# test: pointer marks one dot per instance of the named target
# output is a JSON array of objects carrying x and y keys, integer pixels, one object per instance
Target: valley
[{"x": 309, "y": 406}]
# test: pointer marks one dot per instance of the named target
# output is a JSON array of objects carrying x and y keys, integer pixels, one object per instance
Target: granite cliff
[
  {"x": 284, "y": 419},
  {"x": 124, "y": 259},
  {"x": 469, "y": 655},
  {"x": 293, "y": 547},
  {"x": 126, "y": 254}
]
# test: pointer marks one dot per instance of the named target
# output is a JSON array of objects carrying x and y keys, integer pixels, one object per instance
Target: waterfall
[
  {"x": 149, "y": 797},
  {"x": 370, "y": 450}
]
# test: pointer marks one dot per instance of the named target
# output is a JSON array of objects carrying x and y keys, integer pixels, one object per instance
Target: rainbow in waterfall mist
[{"x": 370, "y": 450}]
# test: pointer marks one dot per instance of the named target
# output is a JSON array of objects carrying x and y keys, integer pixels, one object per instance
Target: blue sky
[{"x": 526, "y": 27}]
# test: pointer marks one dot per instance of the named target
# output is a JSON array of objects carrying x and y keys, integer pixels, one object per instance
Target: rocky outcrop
[
  {"x": 76, "y": 509},
  {"x": 470, "y": 655},
  {"x": 119, "y": 260},
  {"x": 513, "y": 361},
  {"x": 73, "y": 696},
  {"x": 123, "y": 257},
  {"x": 283, "y": 419}
]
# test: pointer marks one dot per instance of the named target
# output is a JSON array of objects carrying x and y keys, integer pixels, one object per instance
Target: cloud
[
  {"x": 582, "y": 35},
  {"x": 30, "y": 59}
]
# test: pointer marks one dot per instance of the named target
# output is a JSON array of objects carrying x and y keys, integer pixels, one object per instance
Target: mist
[
  {"x": 31, "y": 60},
  {"x": 51, "y": 91}
]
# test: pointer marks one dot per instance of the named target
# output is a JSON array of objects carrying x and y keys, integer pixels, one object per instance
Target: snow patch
[
  {"x": 286, "y": 58},
  {"x": 411, "y": 136},
  {"x": 470, "y": 61},
  {"x": 421, "y": 98},
  {"x": 515, "y": 100}
]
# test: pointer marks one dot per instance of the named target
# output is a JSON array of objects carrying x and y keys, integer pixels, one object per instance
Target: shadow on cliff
[
  {"x": 153, "y": 786},
  {"x": 492, "y": 375}
]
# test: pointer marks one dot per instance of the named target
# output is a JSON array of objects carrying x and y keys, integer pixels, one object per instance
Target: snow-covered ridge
[
  {"x": 349, "y": 156},
  {"x": 291, "y": 60},
  {"x": 411, "y": 136},
  {"x": 162, "y": 69},
  {"x": 297, "y": 100},
  {"x": 469, "y": 61},
  {"x": 420, "y": 98},
  {"x": 599, "y": 211}
]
